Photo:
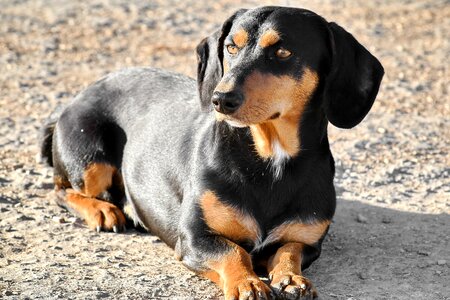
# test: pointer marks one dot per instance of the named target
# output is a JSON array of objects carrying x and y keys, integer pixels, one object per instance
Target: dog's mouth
[
  {"x": 233, "y": 122},
  {"x": 275, "y": 116},
  {"x": 239, "y": 123}
]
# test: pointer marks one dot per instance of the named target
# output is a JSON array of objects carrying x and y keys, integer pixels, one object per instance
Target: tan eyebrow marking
[
  {"x": 240, "y": 38},
  {"x": 269, "y": 38}
]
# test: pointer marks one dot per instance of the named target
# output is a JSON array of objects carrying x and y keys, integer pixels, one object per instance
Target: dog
[{"x": 242, "y": 181}]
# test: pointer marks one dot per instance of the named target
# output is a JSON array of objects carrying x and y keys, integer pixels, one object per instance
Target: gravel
[{"x": 391, "y": 233}]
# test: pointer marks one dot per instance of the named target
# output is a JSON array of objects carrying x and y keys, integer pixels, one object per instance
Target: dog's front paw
[
  {"x": 291, "y": 286},
  {"x": 250, "y": 288}
]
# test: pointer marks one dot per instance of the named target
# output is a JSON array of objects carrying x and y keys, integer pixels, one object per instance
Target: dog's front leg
[
  {"x": 285, "y": 273},
  {"x": 220, "y": 260},
  {"x": 233, "y": 272}
]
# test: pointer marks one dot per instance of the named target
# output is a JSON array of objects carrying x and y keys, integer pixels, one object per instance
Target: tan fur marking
[
  {"x": 233, "y": 272},
  {"x": 128, "y": 210},
  {"x": 219, "y": 117},
  {"x": 287, "y": 259},
  {"x": 61, "y": 183},
  {"x": 232, "y": 265},
  {"x": 269, "y": 38},
  {"x": 240, "y": 38},
  {"x": 226, "y": 220},
  {"x": 266, "y": 95},
  {"x": 226, "y": 66},
  {"x": 263, "y": 134},
  {"x": 97, "y": 178},
  {"x": 213, "y": 276},
  {"x": 225, "y": 86},
  {"x": 299, "y": 232},
  {"x": 95, "y": 212},
  {"x": 286, "y": 265}
]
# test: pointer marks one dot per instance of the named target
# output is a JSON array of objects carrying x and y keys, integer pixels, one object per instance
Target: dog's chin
[
  {"x": 230, "y": 120},
  {"x": 235, "y": 123}
]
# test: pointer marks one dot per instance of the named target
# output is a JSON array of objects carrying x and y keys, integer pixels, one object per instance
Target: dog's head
[{"x": 268, "y": 63}]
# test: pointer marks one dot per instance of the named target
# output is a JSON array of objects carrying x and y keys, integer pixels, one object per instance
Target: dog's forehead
[{"x": 270, "y": 23}]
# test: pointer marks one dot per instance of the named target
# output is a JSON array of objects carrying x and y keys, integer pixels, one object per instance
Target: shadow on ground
[{"x": 379, "y": 253}]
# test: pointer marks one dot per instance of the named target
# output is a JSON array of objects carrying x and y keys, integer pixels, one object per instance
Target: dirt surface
[{"x": 390, "y": 237}]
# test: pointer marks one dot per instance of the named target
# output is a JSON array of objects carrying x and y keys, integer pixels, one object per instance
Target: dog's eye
[
  {"x": 283, "y": 53},
  {"x": 232, "y": 49}
]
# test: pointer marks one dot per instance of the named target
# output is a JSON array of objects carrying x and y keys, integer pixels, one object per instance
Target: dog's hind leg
[
  {"x": 86, "y": 155},
  {"x": 98, "y": 214},
  {"x": 87, "y": 203}
]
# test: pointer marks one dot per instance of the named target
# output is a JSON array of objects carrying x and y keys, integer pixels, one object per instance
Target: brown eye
[
  {"x": 283, "y": 53},
  {"x": 232, "y": 49}
]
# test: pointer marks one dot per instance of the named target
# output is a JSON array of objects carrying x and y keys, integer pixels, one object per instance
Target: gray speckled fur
[{"x": 151, "y": 105}]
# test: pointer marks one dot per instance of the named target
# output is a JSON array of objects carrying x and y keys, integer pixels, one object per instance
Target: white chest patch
[{"x": 279, "y": 159}]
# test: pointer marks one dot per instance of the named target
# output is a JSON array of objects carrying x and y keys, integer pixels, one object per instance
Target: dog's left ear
[
  {"x": 210, "y": 61},
  {"x": 353, "y": 82}
]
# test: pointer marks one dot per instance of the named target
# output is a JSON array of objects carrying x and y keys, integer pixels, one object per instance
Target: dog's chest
[{"x": 239, "y": 226}]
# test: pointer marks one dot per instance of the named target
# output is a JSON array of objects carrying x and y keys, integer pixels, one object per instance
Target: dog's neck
[
  {"x": 277, "y": 140},
  {"x": 272, "y": 135}
]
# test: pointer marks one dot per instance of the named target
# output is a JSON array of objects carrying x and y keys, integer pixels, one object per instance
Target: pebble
[
  {"x": 386, "y": 220},
  {"x": 10, "y": 229},
  {"x": 362, "y": 276},
  {"x": 156, "y": 292},
  {"x": 424, "y": 253},
  {"x": 97, "y": 250},
  {"x": 441, "y": 262},
  {"x": 18, "y": 236},
  {"x": 102, "y": 295},
  {"x": 59, "y": 219},
  {"x": 39, "y": 98},
  {"x": 51, "y": 45},
  {"x": 25, "y": 218},
  {"x": 72, "y": 220},
  {"x": 29, "y": 262},
  {"x": 361, "y": 219}
]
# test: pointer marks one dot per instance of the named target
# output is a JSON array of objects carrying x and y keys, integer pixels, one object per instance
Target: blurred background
[{"x": 390, "y": 239}]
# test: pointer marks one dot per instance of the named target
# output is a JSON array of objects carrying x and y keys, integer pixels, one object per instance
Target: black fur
[
  {"x": 46, "y": 136},
  {"x": 354, "y": 80}
]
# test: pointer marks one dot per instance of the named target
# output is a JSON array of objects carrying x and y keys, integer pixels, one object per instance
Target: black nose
[{"x": 226, "y": 103}]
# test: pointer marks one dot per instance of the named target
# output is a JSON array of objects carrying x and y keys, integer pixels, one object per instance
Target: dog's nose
[{"x": 226, "y": 103}]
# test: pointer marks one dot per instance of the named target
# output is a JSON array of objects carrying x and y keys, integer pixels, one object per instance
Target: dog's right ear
[{"x": 210, "y": 61}]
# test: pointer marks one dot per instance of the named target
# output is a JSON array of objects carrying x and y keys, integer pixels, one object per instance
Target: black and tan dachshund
[{"x": 233, "y": 171}]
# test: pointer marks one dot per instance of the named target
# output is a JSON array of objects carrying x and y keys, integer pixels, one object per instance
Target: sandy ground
[{"x": 390, "y": 238}]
